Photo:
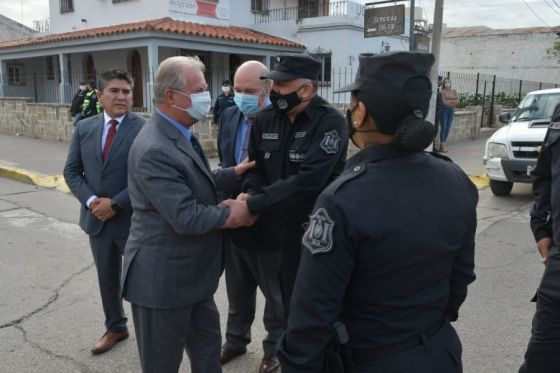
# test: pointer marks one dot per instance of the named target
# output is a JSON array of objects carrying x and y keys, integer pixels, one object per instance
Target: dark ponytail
[{"x": 414, "y": 133}]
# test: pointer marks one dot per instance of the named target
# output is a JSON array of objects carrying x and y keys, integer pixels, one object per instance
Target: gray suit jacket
[
  {"x": 173, "y": 257},
  {"x": 86, "y": 174}
]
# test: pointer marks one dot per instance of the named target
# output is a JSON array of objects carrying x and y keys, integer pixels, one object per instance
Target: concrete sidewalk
[{"x": 40, "y": 162}]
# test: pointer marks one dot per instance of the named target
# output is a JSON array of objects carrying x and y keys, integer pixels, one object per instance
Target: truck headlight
[{"x": 497, "y": 150}]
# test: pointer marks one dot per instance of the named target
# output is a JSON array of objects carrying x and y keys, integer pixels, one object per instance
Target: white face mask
[
  {"x": 226, "y": 90},
  {"x": 82, "y": 87},
  {"x": 200, "y": 104}
]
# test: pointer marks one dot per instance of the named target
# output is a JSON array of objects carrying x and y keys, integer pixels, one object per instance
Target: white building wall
[
  {"x": 513, "y": 56},
  {"x": 105, "y": 13}
]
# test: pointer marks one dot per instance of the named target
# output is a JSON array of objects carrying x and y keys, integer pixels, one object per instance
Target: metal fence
[{"x": 474, "y": 89}]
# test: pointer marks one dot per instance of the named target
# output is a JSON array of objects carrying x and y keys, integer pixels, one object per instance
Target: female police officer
[{"x": 389, "y": 250}]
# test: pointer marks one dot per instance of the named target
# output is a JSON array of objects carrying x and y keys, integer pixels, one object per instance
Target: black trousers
[
  {"x": 245, "y": 271},
  {"x": 107, "y": 253},
  {"x": 544, "y": 345},
  {"x": 163, "y": 334},
  {"x": 290, "y": 256},
  {"x": 440, "y": 353}
]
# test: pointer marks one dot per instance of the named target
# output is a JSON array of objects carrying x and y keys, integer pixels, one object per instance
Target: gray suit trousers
[
  {"x": 245, "y": 270},
  {"x": 163, "y": 334},
  {"x": 107, "y": 253}
]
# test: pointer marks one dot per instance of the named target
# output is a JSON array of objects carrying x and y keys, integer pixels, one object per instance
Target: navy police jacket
[
  {"x": 389, "y": 251},
  {"x": 546, "y": 185}
]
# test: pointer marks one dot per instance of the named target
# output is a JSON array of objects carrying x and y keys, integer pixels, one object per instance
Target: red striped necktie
[{"x": 110, "y": 136}]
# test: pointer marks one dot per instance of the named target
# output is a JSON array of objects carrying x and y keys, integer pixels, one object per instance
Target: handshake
[{"x": 239, "y": 214}]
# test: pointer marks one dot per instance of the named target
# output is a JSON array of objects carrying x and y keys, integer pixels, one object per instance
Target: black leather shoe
[
  {"x": 269, "y": 364},
  {"x": 228, "y": 354}
]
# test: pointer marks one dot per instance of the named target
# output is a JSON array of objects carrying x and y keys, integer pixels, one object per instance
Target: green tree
[{"x": 554, "y": 52}]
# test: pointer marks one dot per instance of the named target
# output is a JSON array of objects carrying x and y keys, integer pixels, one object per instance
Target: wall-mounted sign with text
[
  {"x": 422, "y": 43},
  {"x": 384, "y": 21},
  {"x": 203, "y": 8}
]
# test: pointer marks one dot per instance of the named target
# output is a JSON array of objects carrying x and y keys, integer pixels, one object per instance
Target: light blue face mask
[{"x": 247, "y": 104}]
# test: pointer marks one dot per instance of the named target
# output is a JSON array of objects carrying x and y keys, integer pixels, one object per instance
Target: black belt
[{"x": 366, "y": 355}]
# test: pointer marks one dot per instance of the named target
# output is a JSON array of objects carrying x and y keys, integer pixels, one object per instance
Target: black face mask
[
  {"x": 351, "y": 129},
  {"x": 284, "y": 103}
]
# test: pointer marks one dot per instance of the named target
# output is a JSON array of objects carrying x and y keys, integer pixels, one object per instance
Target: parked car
[{"x": 512, "y": 151}]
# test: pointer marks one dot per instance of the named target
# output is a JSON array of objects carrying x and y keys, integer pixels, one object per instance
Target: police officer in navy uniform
[
  {"x": 299, "y": 144},
  {"x": 389, "y": 250},
  {"x": 544, "y": 345},
  {"x": 223, "y": 101}
]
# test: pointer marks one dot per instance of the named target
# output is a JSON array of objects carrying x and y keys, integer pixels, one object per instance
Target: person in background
[
  {"x": 437, "y": 120},
  {"x": 91, "y": 105},
  {"x": 450, "y": 100},
  {"x": 379, "y": 282},
  {"x": 224, "y": 100},
  {"x": 174, "y": 255},
  {"x": 96, "y": 173},
  {"x": 77, "y": 101},
  {"x": 250, "y": 263},
  {"x": 542, "y": 352}
]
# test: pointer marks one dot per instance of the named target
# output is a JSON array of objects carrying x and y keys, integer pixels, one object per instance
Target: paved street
[{"x": 50, "y": 311}]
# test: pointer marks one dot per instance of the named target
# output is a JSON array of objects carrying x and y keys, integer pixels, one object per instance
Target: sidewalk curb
[
  {"x": 53, "y": 182},
  {"x": 480, "y": 181},
  {"x": 57, "y": 181}
]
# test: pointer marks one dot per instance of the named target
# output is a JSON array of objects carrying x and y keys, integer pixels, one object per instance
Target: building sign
[
  {"x": 421, "y": 43},
  {"x": 384, "y": 21},
  {"x": 204, "y": 8}
]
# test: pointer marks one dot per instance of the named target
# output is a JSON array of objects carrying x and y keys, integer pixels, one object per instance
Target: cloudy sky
[{"x": 457, "y": 13}]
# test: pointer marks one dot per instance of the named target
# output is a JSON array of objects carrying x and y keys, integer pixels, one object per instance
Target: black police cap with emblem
[
  {"x": 393, "y": 86},
  {"x": 294, "y": 66}
]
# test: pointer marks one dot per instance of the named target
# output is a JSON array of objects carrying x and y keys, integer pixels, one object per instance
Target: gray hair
[{"x": 169, "y": 75}]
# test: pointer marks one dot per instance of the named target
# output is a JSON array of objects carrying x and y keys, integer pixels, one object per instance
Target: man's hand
[
  {"x": 243, "y": 197},
  {"x": 243, "y": 167},
  {"x": 239, "y": 215},
  {"x": 544, "y": 246},
  {"x": 101, "y": 208}
]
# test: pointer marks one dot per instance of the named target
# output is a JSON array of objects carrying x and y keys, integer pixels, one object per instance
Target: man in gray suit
[
  {"x": 96, "y": 173},
  {"x": 173, "y": 257}
]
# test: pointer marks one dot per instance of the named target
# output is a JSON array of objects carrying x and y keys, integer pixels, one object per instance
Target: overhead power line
[
  {"x": 536, "y": 15},
  {"x": 551, "y": 7}
]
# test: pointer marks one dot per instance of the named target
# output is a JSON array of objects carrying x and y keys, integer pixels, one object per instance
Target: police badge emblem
[
  {"x": 282, "y": 104},
  {"x": 330, "y": 142},
  {"x": 318, "y": 236}
]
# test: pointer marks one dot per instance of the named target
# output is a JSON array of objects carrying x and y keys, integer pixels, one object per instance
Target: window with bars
[
  {"x": 15, "y": 74},
  {"x": 325, "y": 74},
  {"x": 66, "y": 6},
  {"x": 258, "y": 6}
]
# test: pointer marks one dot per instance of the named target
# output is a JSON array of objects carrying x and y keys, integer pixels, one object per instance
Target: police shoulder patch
[
  {"x": 331, "y": 142},
  {"x": 318, "y": 237}
]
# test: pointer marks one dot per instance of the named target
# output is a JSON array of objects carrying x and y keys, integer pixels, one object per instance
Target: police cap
[
  {"x": 387, "y": 74},
  {"x": 292, "y": 66}
]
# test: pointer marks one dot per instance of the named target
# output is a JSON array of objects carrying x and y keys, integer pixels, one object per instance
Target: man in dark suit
[
  {"x": 173, "y": 257},
  {"x": 96, "y": 173},
  {"x": 249, "y": 267}
]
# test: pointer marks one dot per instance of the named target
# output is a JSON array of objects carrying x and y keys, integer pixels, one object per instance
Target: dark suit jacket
[
  {"x": 227, "y": 135},
  {"x": 86, "y": 174},
  {"x": 173, "y": 256}
]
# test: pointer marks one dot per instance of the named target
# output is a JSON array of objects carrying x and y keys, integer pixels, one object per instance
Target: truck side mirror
[{"x": 504, "y": 117}]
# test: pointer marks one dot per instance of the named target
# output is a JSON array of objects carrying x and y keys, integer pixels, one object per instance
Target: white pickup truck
[{"x": 512, "y": 151}]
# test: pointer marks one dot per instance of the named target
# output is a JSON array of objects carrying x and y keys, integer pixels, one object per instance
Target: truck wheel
[{"x": 501, "y": 188}]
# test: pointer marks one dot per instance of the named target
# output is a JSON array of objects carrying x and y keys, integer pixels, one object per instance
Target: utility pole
[
  {"x": 411, "y": 38},
  {"x": 436, "y": 46}
]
